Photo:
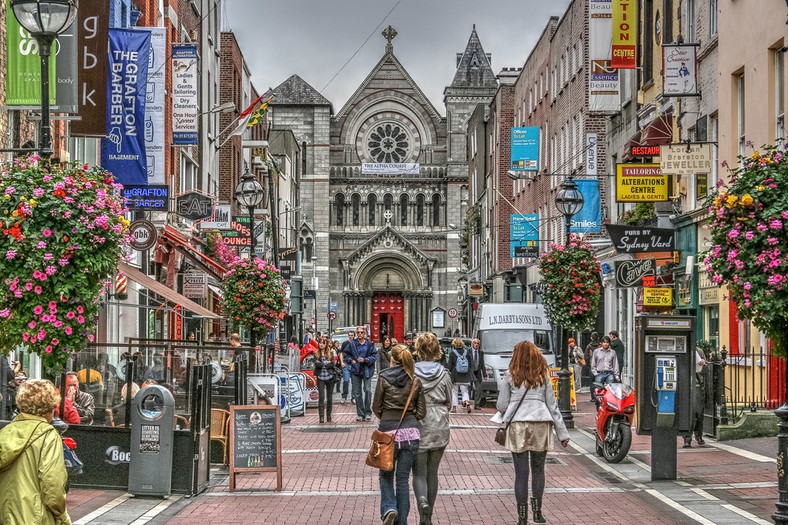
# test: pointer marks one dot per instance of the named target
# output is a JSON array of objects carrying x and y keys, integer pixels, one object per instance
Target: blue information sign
[
  {"x": 525, "y": 149},
  {"x": 524, "y": 235},
  {"x": 589, "y": 218}
]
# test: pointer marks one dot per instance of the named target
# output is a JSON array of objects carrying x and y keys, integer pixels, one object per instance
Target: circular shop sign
[
  {"x": 144, "y": 235},
  {"x": 452, "y": 312}
]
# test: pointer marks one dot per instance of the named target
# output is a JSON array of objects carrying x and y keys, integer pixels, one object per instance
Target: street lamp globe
[
  {"x": 249, "y": 191},
  {"x": 569, "y": 200},
  {"x": 45, "y": 17}
]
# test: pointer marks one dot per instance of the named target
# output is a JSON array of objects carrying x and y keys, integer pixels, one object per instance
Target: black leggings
[
  {"x": 325, "y": 396},
  {"x": 425, "y": 474},
  {"x": 521, "y": 468}
]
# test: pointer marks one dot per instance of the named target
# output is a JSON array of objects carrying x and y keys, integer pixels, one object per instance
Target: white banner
[
  {"x": 390, "y": 168},
  {"x": 681, "y": 159},
  {"x": 185, "y": 109},
  {"x": 220, "y": 220},
  {"x": 603, "y": 79},
  {"x": 592, "y": 155},
  {"x": 679, "y": 68},
  {"x": 154, "y": 105}
]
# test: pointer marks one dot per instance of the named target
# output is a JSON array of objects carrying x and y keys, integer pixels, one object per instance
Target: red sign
[{"x": 644, "y": 151}]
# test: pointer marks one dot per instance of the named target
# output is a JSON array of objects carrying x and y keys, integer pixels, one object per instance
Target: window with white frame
[
  {"x": 712, "y": 18},
  {"x": 691, "y": 23},
  {"x": 188, "y": 178},
  {"x": 779, "y": 94},
  {"x": 740, "y": 115}
]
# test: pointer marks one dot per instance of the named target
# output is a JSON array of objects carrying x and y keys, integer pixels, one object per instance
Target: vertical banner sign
[
  {"x": 525, "y": 149},
  {"x": 589, "y": 218},
  {"x": 154, "y": 106},
  {"x": 524, "y": 235},
  {"x": 603, "y": 78},
  {"x": 185, "y": 111},
  {"x": 123, "y": 151},
  {"x": 625, "y": 19},
  {"x": 66, "y": 66},
  {"x": 92, "y": 69},
  {"x": 679, "y": 68},
  {"x": 23, "y": 83},
  {"x": 592, "y": 155}
]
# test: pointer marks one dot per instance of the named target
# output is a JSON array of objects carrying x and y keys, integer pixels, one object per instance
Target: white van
[{"x": 500, "y": 327}]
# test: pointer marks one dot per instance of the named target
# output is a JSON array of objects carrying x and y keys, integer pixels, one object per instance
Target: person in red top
[{"x": 71, "y": 414}]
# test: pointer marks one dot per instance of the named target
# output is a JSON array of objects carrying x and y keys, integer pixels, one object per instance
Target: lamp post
[
  {"x": 250, "y": 193},
  {"x": 569, "y": 201},
  {"x": 44, "y": 20}
]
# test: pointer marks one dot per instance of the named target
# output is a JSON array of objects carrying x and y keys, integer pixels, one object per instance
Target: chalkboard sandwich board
[{"x": 255, "y": 441}]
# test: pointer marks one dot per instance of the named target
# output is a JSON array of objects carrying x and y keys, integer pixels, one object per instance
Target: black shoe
[
  {"x": 390, "y": 518},
  {"x": 701, "y": 441},
  {"x": 687, "y": 444}
]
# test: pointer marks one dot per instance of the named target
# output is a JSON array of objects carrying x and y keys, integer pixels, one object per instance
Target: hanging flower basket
[
  {"x": 749, "y": 241},
  {"x": 62, "y": 232},
  {"x": 571, "y": 289}
]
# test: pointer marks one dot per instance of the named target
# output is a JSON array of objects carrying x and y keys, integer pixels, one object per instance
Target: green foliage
[
  {"x": 254, "y": 295},
  {"x": 749, "y": 241},
  {"x": 643, "y": 212},
  {"x": 63, "y": 232},
  {"x": 571, "y": 288}
]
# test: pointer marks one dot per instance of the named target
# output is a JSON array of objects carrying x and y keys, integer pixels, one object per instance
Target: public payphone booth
[{"x": 664, "y": 365}]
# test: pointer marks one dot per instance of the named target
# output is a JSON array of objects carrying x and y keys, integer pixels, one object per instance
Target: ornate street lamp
[
  {"x": 45, "y": 20},
  {"x": 569, "y": 201}
]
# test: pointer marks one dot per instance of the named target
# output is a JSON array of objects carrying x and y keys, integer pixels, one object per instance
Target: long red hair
[{"x": 528, "y": 366}]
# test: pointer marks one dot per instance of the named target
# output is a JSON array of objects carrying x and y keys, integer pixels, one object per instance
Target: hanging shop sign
[
  {"x": 525, "y": 149},
  {"x": 679, "y": 69},
  {"x": 92, "y": 41},
  {"x": 640, "y": 183},
  {"x": 633, "y": 239},
  {"x": 629, "y": 274},
  {"x": 194, "y": 205},
  {"x": 154, "y": 105},
  {"x": 592, "y": 154},
  {"x": 603, "y": 78},
  {"x": 220, "y": 219},
  {"x": 143, "y": 235},
  {"x": 524, "y": 234},
  {"x": 624, "y": 41},
  {"x": 185, "y": 108},
  {"x": 589, "y": 218},
  {"x": 644, "y": 151},
  {"x": 658, "y": 296},
  {"x": 66, "y": 56},
  {"x": 686, "y": 159},
  {"x": 23, "y": 66},
  {"x": 195, "y": 284},
  {"x": 155, "y": 197}
]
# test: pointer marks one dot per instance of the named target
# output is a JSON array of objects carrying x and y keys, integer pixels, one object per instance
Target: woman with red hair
[{"x": 529, "y": 408}]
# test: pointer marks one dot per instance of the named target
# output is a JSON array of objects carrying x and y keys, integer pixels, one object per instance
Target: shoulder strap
[
  {"x": 407, "y": 403},
  {"x": 32, "y": 439},
  {"x": 518, "y": 408}
]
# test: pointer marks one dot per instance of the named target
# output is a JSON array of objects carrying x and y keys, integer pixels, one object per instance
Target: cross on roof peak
[{"x": 389, "y": 34}]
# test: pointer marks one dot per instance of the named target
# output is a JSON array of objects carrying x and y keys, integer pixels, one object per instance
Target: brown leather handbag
[{"x": 381, "y": 452}]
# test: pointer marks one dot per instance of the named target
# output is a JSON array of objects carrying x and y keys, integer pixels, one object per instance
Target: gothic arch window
[
  {"x": 372, "y": 204},
  {"x": 436, "y": 210},
  {"x": 339, "y": 209},
  {"x": 403, "y": 209},
  {"x": 388, "y": 201},
  {"x": 307, "y": 248},
  {"x": 420, "y": 209},
  {"x": 355, "y": 201}
]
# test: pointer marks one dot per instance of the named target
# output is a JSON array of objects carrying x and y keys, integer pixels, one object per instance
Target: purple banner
[{"x": 123, "y": 150}]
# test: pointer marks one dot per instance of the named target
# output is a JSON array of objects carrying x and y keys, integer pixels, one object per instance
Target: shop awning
[
  {"x": 658, "y": 132},
  {"x": 168, "y": 293},
  {"x": 216, "y": 290},
  {"x": 202, "y": 261}
]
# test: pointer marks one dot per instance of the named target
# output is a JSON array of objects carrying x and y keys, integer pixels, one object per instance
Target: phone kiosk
[{"x": 664, "y": 350}]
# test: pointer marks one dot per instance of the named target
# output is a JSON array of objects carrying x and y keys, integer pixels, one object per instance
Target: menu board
[{"x": 255, "y": 441}]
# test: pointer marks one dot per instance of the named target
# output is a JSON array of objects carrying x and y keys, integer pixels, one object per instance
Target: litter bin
[{"x": 152, "y": 434}]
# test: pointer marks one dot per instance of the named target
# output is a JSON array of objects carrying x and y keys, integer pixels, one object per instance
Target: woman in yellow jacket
[{"x": 32, "y": 471}]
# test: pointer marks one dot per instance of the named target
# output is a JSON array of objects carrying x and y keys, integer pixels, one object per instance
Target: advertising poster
[
  {"x": 154, "y": 106},
  {"x": 123, "y": 151},
  {"x": 524, "y": 235},
  {"x": 679, "y": 68},
  {"x": 603, "y": 78},
  {"x": 23, "y": 83},
  {"x": 525, "y": 149},
  {"x": 185, "y": 110},
  {"x": 92, "y": 38},
  {"x": 625, "y": 21},
  {"x": 589, "y": 218},
  {"x": 641, "y": 183},
  {"x": 66, "y": 67}
]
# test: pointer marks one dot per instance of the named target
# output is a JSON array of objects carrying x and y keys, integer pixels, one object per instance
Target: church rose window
[{"x": 388, "y": 143}]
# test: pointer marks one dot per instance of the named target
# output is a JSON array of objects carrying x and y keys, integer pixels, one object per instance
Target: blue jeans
[
  {"x": 398, "y": 498},
  {"x": 604, "y": 378},
  {"x": 363, "y": 407},
  {"x": 345, "y": 382}
]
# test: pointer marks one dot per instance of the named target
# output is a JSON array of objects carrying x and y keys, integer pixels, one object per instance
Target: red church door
[{"x": 388, "y": 316}]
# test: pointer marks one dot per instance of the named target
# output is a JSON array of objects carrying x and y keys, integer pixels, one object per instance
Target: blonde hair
[
  {"x": 457, "y": 343},
  {"x": 134, "y": 389},
  {"x": 428, "y": 347},
  {"x": 37, "y": 397},
  {"x": 401, "y": 354}
]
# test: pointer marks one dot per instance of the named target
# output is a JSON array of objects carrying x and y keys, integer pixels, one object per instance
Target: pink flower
[
  {"x": 55, "y": 341},
  {"x": 46, "y": 233},
  {"x": 38, "y": 309},
  {"x": 81, "y": 320},
  {"x": 38, "y": 290},
  {"x": 68, "y": 330},
  {"x": 80, "y": 309},
  {"x": 70, "y": 315},
  {"x": 28, "y": 286},
  {"x": 41, "y": 335},
  {"x": 10, "y": 254},
  {"x": 49, "y": 349}
]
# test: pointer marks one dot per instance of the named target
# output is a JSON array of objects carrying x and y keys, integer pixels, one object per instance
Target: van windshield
[{"x": 504, "y": 341}]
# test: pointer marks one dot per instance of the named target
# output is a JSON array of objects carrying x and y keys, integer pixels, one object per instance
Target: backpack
[{"x": 462, "y": 366}]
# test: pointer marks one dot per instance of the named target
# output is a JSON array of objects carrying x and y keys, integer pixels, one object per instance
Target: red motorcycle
[{"x": 615, "y": 407}]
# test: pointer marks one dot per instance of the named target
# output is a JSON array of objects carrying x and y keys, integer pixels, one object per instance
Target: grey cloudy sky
[{"x": 315, "y": 38}]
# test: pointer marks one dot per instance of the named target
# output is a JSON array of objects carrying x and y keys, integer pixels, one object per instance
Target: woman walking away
[
  {"x": 399, "y": 403},
  {"x": 435, "y": 425},
  {"x": 325, "y": 363},
  {"x": 384, "y": 354},
  {"x": 32, "y": 470},
  {"x": 461, "y": 366},
  {"x": 526, "y": 400}
]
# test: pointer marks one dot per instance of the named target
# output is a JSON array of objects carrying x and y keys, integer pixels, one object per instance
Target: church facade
[{"x": 384, "y": 194}]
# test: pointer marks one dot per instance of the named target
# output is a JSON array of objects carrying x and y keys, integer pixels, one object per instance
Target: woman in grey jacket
[
  {"x": 533, "y": 421},
  {"x": 436, "y": 382}
]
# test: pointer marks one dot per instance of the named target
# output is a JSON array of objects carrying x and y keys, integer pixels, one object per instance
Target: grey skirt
[{"x": 533, "y": 436}]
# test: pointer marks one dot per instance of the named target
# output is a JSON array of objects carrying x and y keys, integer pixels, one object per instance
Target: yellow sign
[
  {"x": 640, "y": 183},
  {"x": 624, "y": 49},
  {"x": 554, "y": 382},
  {"x": 657, "y": 296}
]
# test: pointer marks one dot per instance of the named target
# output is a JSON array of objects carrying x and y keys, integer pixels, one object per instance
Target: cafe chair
[{"x": 220, "y": 420}]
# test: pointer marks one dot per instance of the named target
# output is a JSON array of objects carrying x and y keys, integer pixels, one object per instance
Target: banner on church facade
[
  {"x": 390, "y": 168},
  {"x": 603, "y": 78}
]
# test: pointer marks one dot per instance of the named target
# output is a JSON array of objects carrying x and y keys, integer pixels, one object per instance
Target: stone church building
[{"x": 384, "y": 193}]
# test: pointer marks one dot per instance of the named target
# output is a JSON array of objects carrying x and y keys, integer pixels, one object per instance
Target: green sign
[{"x": 24, "y": 66}]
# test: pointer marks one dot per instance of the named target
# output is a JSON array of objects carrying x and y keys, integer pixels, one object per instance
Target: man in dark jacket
[
  {"x": 361, "y": 355},
  {"x": 618, "y": 347},
  {"x": 587, "y": 354},
  {"x": 479, "y": 373}
]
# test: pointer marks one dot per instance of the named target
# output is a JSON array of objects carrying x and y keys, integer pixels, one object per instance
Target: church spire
[
  {"x": 389, "y": 34},
  {"x": 474, "y": 68}
]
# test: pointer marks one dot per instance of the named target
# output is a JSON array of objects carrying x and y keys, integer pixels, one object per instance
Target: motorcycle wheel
[{"x": 617, "y": 448}]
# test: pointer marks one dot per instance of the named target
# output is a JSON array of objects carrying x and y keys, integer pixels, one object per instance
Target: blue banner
[
  {"x": 524, "y": 235},
  {"x": 589, "y": 218},
  {"x": 525, "y": 149},
  {"x": 123, "y": 151}
]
